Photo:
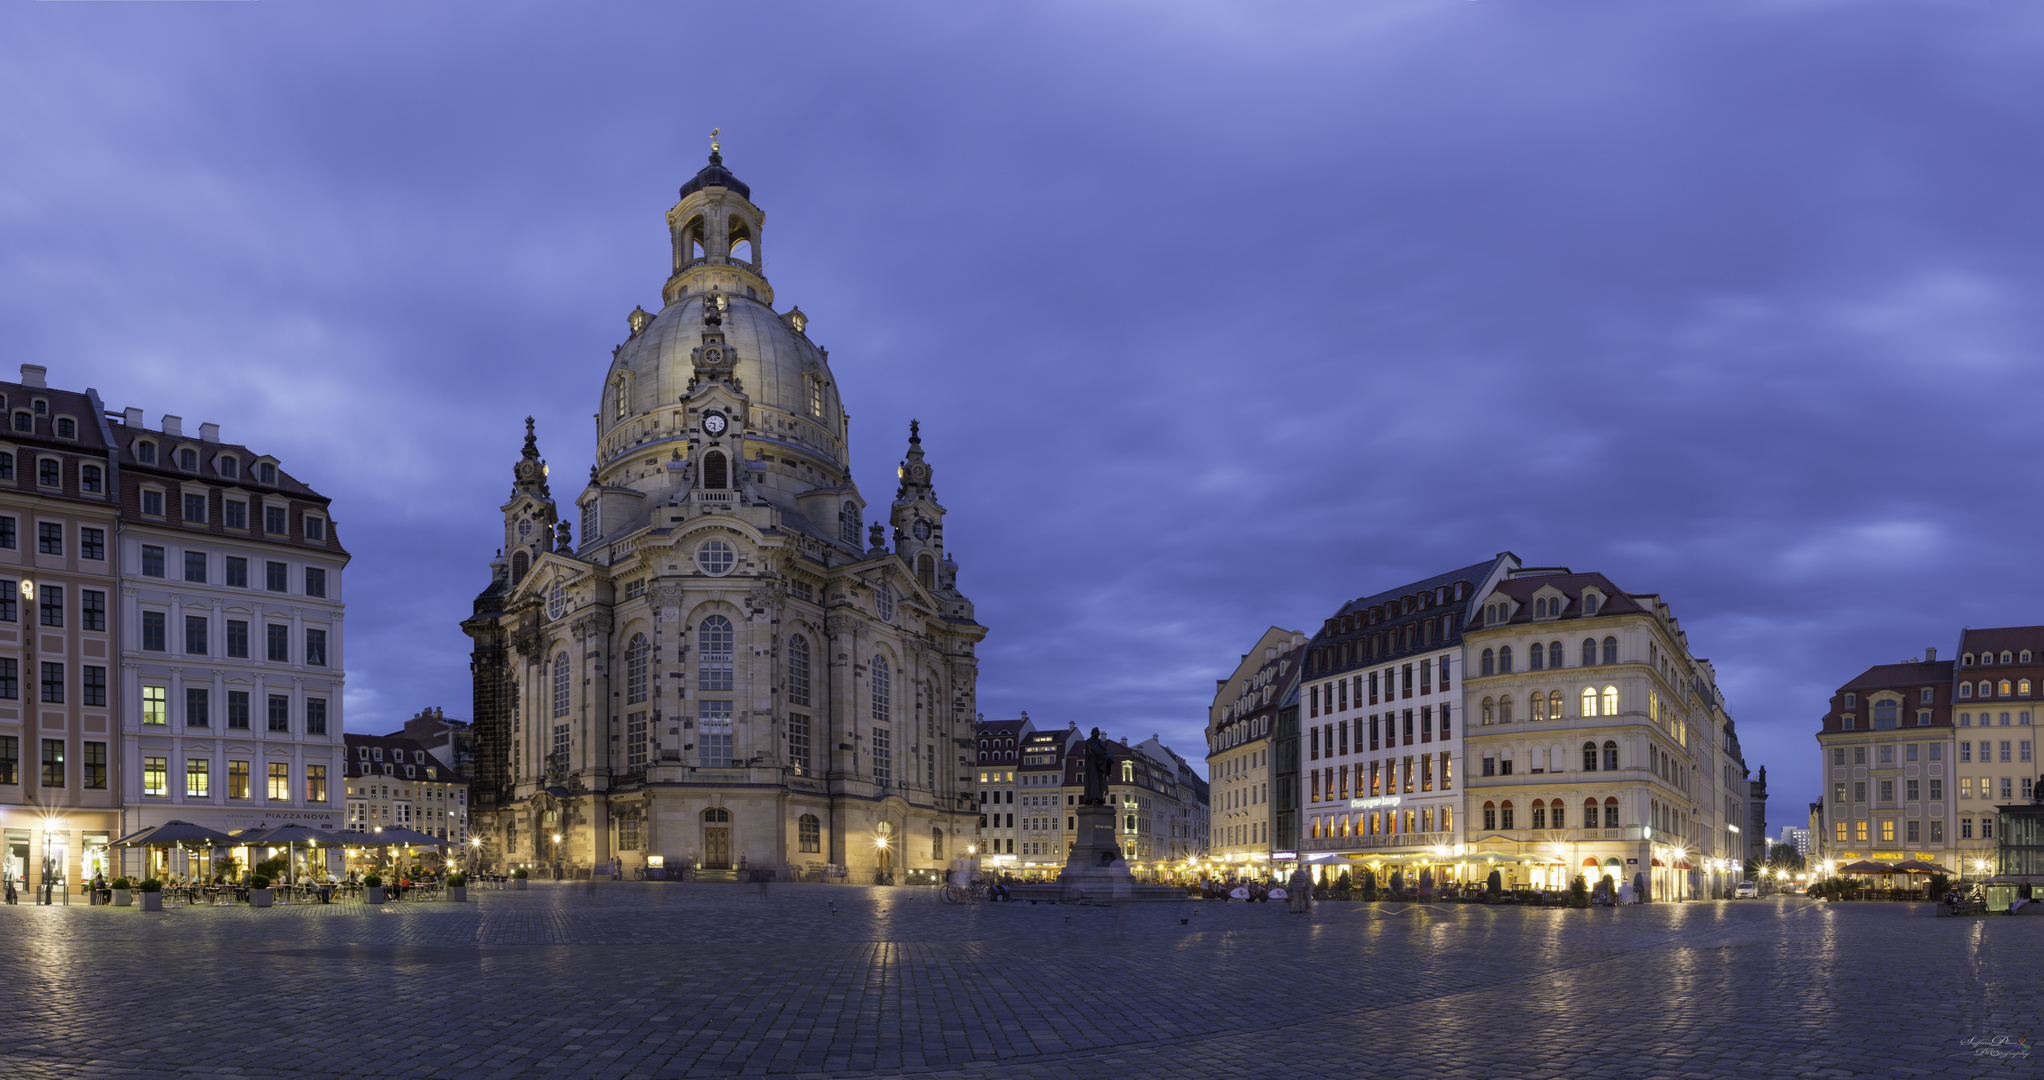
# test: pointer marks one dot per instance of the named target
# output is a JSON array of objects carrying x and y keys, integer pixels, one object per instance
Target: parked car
[{"x": 1748, "y": 888}]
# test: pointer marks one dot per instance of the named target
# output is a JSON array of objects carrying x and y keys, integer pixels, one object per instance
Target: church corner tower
[{"x": 722, "y": 669}]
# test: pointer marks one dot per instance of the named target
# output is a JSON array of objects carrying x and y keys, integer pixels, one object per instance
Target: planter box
[
  {"x": 458, "y": 893},
  {"x": 259, "y": 898},
  {"x": 372, "y": 894},
  {"x": 518, "y": 883},
  {"x": 152, "y": 901},
  {"x": 124, "y": 897}
]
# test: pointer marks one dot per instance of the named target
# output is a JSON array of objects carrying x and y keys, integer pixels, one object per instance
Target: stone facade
[
  {"x": 727, "y": 672},
  {"x": 1242, "y": 725}
]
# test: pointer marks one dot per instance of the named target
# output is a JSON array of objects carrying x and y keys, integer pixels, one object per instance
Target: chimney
[
  {"x": 1930, "y": 656},
  {"x": 173, "y": 426},
  {"x": 209, "y": 433},
  {"x": 132, "y": 417},
  {"x": 32, "y": 376}
]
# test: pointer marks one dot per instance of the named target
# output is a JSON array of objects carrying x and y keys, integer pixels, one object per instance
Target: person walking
[{"x": 1299, "y": 892}]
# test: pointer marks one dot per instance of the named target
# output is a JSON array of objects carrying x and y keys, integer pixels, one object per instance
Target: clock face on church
[{"x": 713, "y": 423}]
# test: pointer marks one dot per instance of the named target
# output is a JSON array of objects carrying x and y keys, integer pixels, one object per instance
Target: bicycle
[{"x": 958, "y": 894}]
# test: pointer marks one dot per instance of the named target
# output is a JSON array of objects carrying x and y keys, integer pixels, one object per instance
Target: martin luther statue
[{"x": 1098, "y": 770}]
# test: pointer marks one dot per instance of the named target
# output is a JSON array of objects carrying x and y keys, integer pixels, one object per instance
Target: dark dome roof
[{"x": 715, "y": 175}]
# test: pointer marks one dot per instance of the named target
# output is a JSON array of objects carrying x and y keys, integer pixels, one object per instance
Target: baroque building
[
  {"x": 1252, "y": 811},
  {"x": 729, "y": 670}
]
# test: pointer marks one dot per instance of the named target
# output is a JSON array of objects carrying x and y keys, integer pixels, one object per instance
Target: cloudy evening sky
[{"x": 1215, "y": 316}]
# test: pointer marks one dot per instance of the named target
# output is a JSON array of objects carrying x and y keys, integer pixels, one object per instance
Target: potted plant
[
  {"x": 152, "y": 894},
  {"x": 372, "y": 889},
  {"x": 457, "y": 888},
  {"x": 124, "y": 892},
  {"x": 518, "y": 878},
  {"x": 258, "y": 891}
]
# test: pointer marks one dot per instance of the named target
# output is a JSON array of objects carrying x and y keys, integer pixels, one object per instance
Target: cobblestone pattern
[{"x": 650, "y": 981}]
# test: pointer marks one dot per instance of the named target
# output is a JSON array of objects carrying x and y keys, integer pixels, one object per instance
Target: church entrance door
[{"x": 716, "y": 848}]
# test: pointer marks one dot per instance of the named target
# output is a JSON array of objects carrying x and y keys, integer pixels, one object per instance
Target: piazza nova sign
[{"x": 1373, "y": 804}]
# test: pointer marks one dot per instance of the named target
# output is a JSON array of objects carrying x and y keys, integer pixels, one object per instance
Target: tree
[{"x": 1785, "y": 858}]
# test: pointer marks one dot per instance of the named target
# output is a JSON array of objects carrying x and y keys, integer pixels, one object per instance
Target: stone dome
[
  {"x": 716, "y": 175},
  {"x": 775, "y": 366}
]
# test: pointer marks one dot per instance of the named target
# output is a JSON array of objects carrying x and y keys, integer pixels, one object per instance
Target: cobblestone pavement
[{"x": 632, "y": 980}]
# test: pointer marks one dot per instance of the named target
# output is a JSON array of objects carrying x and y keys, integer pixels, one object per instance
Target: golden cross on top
[{"x": 714, "y": 148}]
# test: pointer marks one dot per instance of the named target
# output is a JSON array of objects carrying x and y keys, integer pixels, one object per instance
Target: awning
[{"x": 1659, "y": 863}]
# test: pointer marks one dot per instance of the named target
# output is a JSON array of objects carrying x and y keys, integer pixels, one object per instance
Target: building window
[
  {"x": 152, "y": 561},
  {"x": 1490, "y": 662},
  {"x": 155, "y": 705},
  {"x": 713, "y": 733},
  {"x": 273, "y": 520},
  {"x": 267, "y": 473},
  {"x": 277, "y": 640},
  {"x": 49, "y": 473},
  {"x": 7, "y": 533},
  {"x": 315, "y": 581},
  {"x": 198, "y": 777},
  {"x": 93, "y": 774},
  {"x": 237, "y": 639},
  {"x": 155, "y": 777},
  {"x": 49, "y": 538},
  {"x": 315, "y": 529},
  {"x": 714, "y": 645},
  {"x": 51, "y": 605},
  {"x": 227, "y": 466},
  {"x": 195, "y": 508},
  {"x": 809, "y": 833},
  {"x": 315, "y": 716},
  {"x": 94, "y": 682},
  {"x": 92, "y": 543},
  {"x": 53, "y": 763},
  {"x": 1610, "y": 756},
  {"x": 315, "y": 783},
  {"x": 315, "y": 648},
  {"x": 276, "y": 577},
  {"x": 561, "y": 685},
  {"x": 237, "y": 709},
  {"x": 152, "y": 502},
  {"x": 1611, "y": 700},
  {"x": 883, "y": 756},
  {"x": 883, "y": 603},
  {"x": 237, "y": 779},
  {"x": 280, "y": 781},
  {"x": 848, "y": 524},
  {"x": 635, "y": 741},
  {"x": 798, "y": 670},
  {"x": 638, "y": 655},
  {"x": 1504, "y": 659},
  {"x": 53, "y": 682},
  {"x": 883, "y": 703},
  {"x": 10, "y": 680},
  {"x": 195, "y": 635},
  {"x": 1589, "y": 701},
  {"x": 235, "y": 513},
  {"x": 279, "y": 712},
  {"x": 6, "y": 466},
  {"x": 798, "y": 743}
]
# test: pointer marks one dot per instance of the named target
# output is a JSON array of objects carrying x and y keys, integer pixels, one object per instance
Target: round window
[
  {"x": 716, "y": 558},
  {"x": 557, "y": 601}
]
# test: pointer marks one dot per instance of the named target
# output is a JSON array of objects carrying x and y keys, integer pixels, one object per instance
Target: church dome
[
  {"x": 716, "y": 175},
  {"x": 778, "y": 367}
]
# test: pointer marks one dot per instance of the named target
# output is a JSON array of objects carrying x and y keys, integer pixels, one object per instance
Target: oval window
[
  {"x": 716, "y": 558},
  {"x": 557, "y": 601}
]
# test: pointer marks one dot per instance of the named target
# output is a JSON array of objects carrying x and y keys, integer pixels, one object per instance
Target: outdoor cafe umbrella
[
  {"x": 289, "y": 835},
  {"x": 1918, "y": 866},
  {"x": 1867, "y": 866},
  {"x": 175, "y": 834}
]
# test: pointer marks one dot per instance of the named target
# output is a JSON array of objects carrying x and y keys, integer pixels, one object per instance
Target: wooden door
[{"x": 716, "y": 847}]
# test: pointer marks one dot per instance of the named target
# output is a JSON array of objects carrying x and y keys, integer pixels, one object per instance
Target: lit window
[{"x": 1589, "y": 701}]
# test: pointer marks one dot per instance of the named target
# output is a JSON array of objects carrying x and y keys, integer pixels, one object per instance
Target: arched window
[
  {"x": 1554, "y": 705},
  {"x": 1504, "y": 659},
  {"x": 519, "y": 565},
  {"x": 561, "y": 685},
  {"x": 1489, "y": 712},
  {"x": 1554, "y": 655},
  {"x": 1589, "y": 652},
  {"x": 798, "y": 670},
  {"x": 1505, "y": 709},
  {"x": 883, "y": 706},
  {"x": 1589, "y": 757},
  {"x": 1611, "y": 804},
  {"x": 621, "y": 402},
  {"x": 1490, "y": 817},
  {"x": 2005, "y": 657},
  {"x": 714, "y": 472},
  {"x": 1610, "y": 701},
  {"x": 1558, "y": 818},
  {"x": 1590, "y": 818},
  {"x": 1537, "y": 706},
  {"x": 2023, "y": 687},
  {"x": 1611, "y": 761},
  {"x": 715, "y": 642},
  {"x": 1537, "y": 661},
  {"x": 1965, "y": 689},
  {"x": 1490, "y": 662},
  {"x": 848, "y": 523},
  {"x": 638, "y": 654},
  {"x": 926, "y": 570},
  {"x": 1505, "y": 815},
  {"x": 716, "y": 815},
  {"x": 1539, "y": 813},
  {"x": 883, "y": 603},
  {"x": 809, "y": 833},
  {"x": 1589, "y": 701},
  {"x": 2026, "y": 656},
  {"x": 1611, "y": 650}
]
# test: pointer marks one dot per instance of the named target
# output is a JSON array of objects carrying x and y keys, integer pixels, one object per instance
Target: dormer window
[
  {"x": 67, "y": 428},
  {"x": 145, "y": 452},
  {"x": 315, "y": 528},
  {"x": 2006, "y": 658},
  {"x": 188, "y": 459},
  {"x": 1966, "y": 660},
  {"x": 378, "y": 751},
  {"x": 23, "y": 420},
  {"x": 152, "y": 502},
  {"x": 266, "y": 473},
  {"x": 42, "y": 407},
  {"x": 362, "y": 752},
  {"x": 89, "y": 478},
  {"x": 229, "y": 467},
  {"x": 49, "y": 473}
]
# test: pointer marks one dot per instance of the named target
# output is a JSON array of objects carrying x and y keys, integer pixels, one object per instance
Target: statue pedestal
[{"x": 1096, "y": 871}]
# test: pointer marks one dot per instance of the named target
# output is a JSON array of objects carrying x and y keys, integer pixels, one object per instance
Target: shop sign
[
  {"x": 1284, "y": 854},
  {"x": 1372, "y": 804}
]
